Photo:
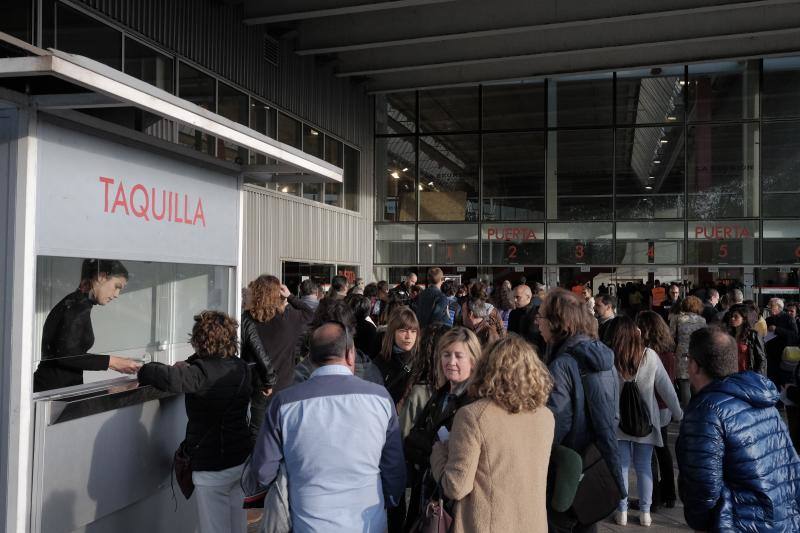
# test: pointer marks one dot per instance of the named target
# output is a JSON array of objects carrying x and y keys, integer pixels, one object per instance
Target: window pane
[
  {"x": 16, "y": 20},
  {"x": 780, "y": 168},
  {"x": 581, "y": 101},
  {"x": 448, "y": 182},
  {"x": 149, "y": 65},
  {"x": 642, "y": 242},
  {"x": 395, "y": 179},
  {"x": 517, "y": 106},
  {"x": 81, "y": 34},
  {"x": 200, "y": 89},
  {"x": 395, "y": 243},
  {"x": 650, "y": 96},
  {"x": 233, "y": 106},
  {"x": 581, "y": 174},
  {"x": 263, "y": 119},
  {"x": 290, "y": 131},
  {"x": 781, "y": 242},
  {"x": 333, "y": 194},
  {"x": 722, "y": 176},
  {"x": 573, "y": 244},
  {"x": 723, "y": 91},
  {"x": 288, "y": 188},
  {"x": 453, "y": 109},
  {"x": 396, "y": 113},
  {"x": 352, "y": 178},
  {"x": 333, "y": 151},
  {"x": 313, "y": 141},
  {"x": 312, "y": 191},
  {"x": 723, "y": 242},
  {"x": 650, "y": 172},
  {"x": 448, "y": 244},
  {"x": 513, "y": 176},
  {"x": 780, "y": 94},
  {"x": 513, "y": 244}
]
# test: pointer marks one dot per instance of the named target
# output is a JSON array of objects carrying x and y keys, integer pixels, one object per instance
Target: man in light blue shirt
[{"x": 340, "y": 440}]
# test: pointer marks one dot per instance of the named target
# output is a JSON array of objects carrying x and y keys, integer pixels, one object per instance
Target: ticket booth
[{"x": 91, "y": 204}]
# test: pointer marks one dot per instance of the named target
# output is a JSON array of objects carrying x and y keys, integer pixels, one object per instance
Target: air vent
[{"x": 271, "y": 50}]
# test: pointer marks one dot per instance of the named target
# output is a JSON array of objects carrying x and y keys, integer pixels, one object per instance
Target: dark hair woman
[
  {"x": 217, "y": 385},
  {"x": 279, "y": 319},
  {"x": 656, "y": 336},
  {"x": 399, "y": 345},
  {"x": 366, "y": 329},
  {"x": 637, "y": 363},
  {"x": 68, "y": 335},
  {"x": 752, "y": 354}
]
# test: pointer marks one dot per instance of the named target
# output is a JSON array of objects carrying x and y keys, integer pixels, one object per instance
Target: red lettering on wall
[
  {"x": 140, "y": 201},
  {"x": 733, "y": 231},
  {"x": 511, "y": 234}
]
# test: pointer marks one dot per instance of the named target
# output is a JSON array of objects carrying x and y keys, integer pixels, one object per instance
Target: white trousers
[{"x": 219, "y": 501}]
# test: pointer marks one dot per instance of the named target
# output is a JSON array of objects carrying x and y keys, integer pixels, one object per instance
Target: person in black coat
[
  {"x": 784, "y": 328},
  {"x": 262, "y": 373},
  {"x": 366, "y": 329},
  {"x": 218, "y": 386},
  {"x": 752, "y": 354},
  {"x": 396, "y": 352},
  {"x": 68, "y": 335}
]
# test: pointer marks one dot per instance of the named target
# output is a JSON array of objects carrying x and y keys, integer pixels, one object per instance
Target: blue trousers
[{"x": 642, "y": 455}]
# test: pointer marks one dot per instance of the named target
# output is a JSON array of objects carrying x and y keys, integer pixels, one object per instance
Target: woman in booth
[
  {"x": 218, "y": 386},
  {"x": 68, "y": 336}
]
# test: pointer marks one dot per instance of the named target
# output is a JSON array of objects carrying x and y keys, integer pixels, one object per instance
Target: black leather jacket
[{"x": 255, "y": 354}]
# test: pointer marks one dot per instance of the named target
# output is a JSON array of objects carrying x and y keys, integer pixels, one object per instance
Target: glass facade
[{"x": 680, "y": 165}]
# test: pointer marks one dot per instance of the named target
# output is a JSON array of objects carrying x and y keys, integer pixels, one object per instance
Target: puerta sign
[{"x": 99, "y": 198}]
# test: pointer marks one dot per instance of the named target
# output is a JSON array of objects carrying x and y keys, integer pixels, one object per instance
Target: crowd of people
[{"x": 374, "y": 408}]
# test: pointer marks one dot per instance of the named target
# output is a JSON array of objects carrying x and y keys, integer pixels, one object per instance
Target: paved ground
[{"x": 664, "y": 521}]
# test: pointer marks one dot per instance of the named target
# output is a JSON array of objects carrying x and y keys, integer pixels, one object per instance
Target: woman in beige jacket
[{"x": 494, "y": 463}]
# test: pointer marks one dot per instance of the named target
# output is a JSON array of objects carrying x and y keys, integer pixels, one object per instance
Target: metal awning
[{"x": 108, "y": 87}]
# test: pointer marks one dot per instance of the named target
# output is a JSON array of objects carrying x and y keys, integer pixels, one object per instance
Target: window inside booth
[{"x": 95, "y": 315}]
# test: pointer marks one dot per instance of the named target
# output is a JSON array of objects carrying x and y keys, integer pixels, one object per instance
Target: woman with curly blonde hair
[{"x": 498, "y": 453}]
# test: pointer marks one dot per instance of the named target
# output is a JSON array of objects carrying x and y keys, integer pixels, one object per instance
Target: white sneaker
[
  {"x": 621, "y": 518},
  {"x": 645, "y": 519}
]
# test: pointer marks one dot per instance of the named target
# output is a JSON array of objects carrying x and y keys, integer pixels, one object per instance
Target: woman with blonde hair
[
  {"x": 458, "y": 353},
  {"x": 498, "y": 452},
  {"x": 278, "y": 319}
]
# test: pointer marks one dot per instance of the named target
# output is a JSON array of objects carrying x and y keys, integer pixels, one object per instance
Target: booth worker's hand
[{"x": 123, "y": 365}]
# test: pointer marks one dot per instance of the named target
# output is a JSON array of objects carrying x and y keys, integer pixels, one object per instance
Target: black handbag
[{"x": 182, "y": 459}]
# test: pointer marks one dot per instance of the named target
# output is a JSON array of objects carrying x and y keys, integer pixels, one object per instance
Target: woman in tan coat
[{"x": 494, "y": 463}]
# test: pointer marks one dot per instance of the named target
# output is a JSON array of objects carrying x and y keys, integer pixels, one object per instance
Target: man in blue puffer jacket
[{"x": 738, "y": 469}]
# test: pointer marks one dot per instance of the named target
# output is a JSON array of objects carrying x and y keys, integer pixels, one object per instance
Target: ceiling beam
[
  {"x": 641, "y": 55},
  {"x": 668, "y": 30},
  {"x": 471, "y": 19},
  {"x": 76, "y": 101},
  {"x": 260, "y": 12}
]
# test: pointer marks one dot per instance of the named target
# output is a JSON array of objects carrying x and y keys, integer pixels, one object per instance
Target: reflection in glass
[
  {"x": 148, "y": 65},
  {"x": 333, "y": 151},
  {"x": 333, "y": 194},
  {"x": 650, "y": 172},
  {"x": 83, "y": 35},
  {"x": 264, "y": 120},
  {"x": 780, "y": 92},
  {"x": 312, "y": 191},
  {"x": 650, "y": 96},
  {"x": 723, "y": 91},
  {"x": 580, "y": 174},
  {"x": 513, "y": 176},
  {"x": 448, "y": 244},
  {"x": 448, "y": 177},
  {"x": 396, "y": 112},
  {"x": 288, "y": 188},
  {"x": 581, "y": 101},
  {"x": 16, "y": 20},
  {"x": 513, "y": 106},
  {"x": 722, "y": 175},
  {"x": 395, "y": 179},
  {"x": 67, "y": 334},
  {"x": 642, "y": 242},
  {"x": 313, "y": 141},
  {"x": 200, "y": 89},
  {"x": 395, "y": 243},
  {"x": 453, "y": 109},
  {"x": 780, "y": 168},
  {"x": 233, "y": 105},
  {"x": 781, "y": 242},
  {"x": 352, "y": 177},
  {"x": 290, "y": 131}
]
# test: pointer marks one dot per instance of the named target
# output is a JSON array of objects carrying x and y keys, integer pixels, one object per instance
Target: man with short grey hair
[{"x": 339, "y": 439}]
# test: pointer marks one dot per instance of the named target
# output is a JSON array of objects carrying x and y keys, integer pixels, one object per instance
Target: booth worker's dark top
[{"x": 66, "y": 338}]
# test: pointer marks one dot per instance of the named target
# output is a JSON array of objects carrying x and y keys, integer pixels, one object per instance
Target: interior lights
[{"x": 395, "y": 175}]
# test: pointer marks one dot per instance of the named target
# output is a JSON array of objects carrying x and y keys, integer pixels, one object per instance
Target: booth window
[
  {"x": 150, "y": 320},
  {"x": 83, "y": 35}
]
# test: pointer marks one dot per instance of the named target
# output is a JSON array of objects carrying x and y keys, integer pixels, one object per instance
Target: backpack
[{"x": 634, "y": 418}]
